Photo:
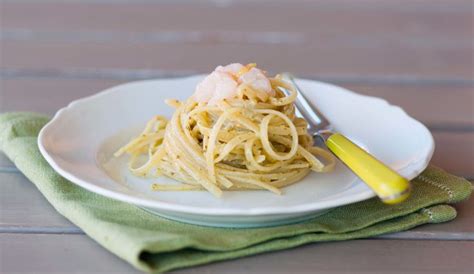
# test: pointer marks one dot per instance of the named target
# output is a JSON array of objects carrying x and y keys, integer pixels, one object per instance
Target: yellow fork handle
[{"x": 385, "y": 182}]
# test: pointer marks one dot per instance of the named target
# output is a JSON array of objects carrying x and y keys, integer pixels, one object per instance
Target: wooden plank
[
  {"x": 454, "y": 152},
  {"x": 322, "y": 38},
  {"x": 33, "y": 253},
  {"x": 22, "y": 206},
  {"x": 66, "y": 253},
  {"x": 462, "y": 224},
  {"x": 358, "y": 17},
  {"x": 23, "y": 209},
  {"x": 5, "y": 164},
  {"x": 47, "y": 95},
  {"x": 308, "y": 60}
]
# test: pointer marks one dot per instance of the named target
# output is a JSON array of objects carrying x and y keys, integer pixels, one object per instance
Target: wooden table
[{"x": 416, "y": 54}]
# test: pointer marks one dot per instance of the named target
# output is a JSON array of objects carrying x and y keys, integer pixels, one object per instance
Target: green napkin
[{"x": 155, "y": 244}]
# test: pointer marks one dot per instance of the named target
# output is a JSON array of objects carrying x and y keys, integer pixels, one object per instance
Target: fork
[{"x": 389, "y": 186}]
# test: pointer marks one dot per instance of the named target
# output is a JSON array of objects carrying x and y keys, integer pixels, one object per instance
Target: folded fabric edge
[
  {"x": 456, "y": 188},
  {"x": 152, "y": 262},
  {"x": 20, "y": 124}
]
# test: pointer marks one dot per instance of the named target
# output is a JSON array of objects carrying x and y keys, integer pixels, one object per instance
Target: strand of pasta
[{"x": 252, "y": 142}]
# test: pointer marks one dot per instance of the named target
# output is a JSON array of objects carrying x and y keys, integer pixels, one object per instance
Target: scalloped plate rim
[{"x": 422, "y": 162}]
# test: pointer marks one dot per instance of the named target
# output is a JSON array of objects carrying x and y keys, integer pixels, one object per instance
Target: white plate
[{"x": 81, "y": 138}]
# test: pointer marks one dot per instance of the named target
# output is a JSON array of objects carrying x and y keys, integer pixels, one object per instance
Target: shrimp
[
  {"x": 257, "y": 80},
  {"x": 223, "y": 82}
]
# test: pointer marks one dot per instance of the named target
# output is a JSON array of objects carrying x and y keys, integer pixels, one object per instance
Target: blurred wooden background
[{"x": 417, "y": 54}]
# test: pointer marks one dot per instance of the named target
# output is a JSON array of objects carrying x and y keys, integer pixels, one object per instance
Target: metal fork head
[{"x": 317, "y": 123}]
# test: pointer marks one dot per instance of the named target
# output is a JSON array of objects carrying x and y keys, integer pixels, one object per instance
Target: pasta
[{"x": 249, "y": 140}]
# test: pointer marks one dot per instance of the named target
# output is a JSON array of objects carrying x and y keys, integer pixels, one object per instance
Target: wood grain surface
[
  {"x": 416, "y": 54},
  {"x": 419, "y": 38},
  {"x": 73, "y": 252},
  {"x": 49, "y": 93}
]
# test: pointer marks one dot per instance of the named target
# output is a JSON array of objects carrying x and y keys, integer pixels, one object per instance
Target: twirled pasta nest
[{"x": 254, "y": 141}]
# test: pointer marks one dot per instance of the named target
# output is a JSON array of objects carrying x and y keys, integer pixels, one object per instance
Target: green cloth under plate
[{"x": 155, "y": 244}]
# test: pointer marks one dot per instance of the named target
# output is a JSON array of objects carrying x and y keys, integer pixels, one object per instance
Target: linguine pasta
[{"x": 250, "y": 141}]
